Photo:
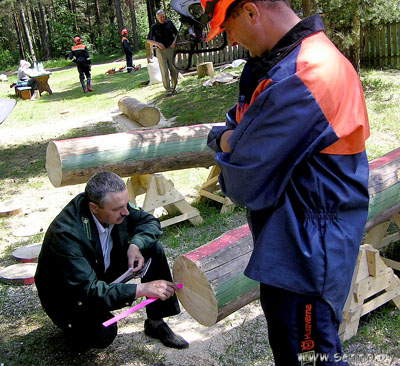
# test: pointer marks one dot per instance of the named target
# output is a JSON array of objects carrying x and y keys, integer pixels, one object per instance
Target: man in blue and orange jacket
[
  {"x": 293, "y": 153},
  {"x": 80, "y": 55},
  {"x": 126, "y": 46}
]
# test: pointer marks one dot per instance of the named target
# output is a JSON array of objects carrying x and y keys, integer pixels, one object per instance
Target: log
[
  {"x": 383, "y": 186},
  {"x": 205, "y": 69},
  {"x": 74, "y": 161},
  {"x": 141, "y": 113},
  {"x": 213, "y": 279},
  {"x": 10, "y": 208},
  {"x": 28, "y": 253},
  {"x": 19, "y": 274}
]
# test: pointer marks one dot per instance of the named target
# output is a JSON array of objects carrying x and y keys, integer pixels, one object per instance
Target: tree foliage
[
  {"x": 343, "y": 19},
  {"x": 44, "y": 29}
]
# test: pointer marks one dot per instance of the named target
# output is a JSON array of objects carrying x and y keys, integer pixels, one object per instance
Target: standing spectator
[
  {"x": 126, "y": 45},
  {"x": 80, "y": 55},
  {"x": 293, "y": 153},
  {"x": 163, "y": 36}
]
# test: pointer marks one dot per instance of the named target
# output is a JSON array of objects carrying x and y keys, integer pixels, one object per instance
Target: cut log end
[
  {"x": 205, "y": 69},
  {"x": 141, "y": 113},
  {"x": 53, "y": 164},
  {"x": 10, "y": 208},
  {"x": 19, "y": 274},
  {"x": 28, "y": 253},
  {"x": 197, "y": 297}
]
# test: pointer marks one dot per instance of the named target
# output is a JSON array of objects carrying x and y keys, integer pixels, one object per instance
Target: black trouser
[
  {"x": 302, "y": 330},
  {"x": 84, "y": 70},
  {"x": 87, "y": 331},
  {"x": 129, "y": 63},
  {"x": 32, "y": 83}
]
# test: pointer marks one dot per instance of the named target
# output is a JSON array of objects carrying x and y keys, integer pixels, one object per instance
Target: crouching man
[{"x": 93, "y": 241}]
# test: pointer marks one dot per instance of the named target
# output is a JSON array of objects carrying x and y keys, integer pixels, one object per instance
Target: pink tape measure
[{"x": 133, "y": 309}]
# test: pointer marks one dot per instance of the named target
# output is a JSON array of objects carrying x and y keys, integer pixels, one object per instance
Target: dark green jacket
[{"x": 70, "y": 275}]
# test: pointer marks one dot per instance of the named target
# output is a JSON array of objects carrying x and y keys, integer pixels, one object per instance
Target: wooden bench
[{"x": 25, "y": 92}]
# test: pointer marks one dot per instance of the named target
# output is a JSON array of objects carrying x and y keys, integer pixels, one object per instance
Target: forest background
[{"x": 42, "y": 30}]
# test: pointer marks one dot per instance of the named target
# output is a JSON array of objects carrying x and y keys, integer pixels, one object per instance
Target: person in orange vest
[
  {"x": 80, "y": 55},
  {"x": 126, "y": 46}
]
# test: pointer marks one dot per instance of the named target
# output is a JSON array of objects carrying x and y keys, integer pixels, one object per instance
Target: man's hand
[
  {"x": 135, "y": 258},
  {"x": 224, "y": 141},
  {"x": 161, "y": 289}
]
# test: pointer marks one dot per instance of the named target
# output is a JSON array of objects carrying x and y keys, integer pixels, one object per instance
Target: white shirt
[{"x": 105, "y": 240}]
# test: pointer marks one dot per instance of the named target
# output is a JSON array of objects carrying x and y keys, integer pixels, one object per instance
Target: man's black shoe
[{"x": 165, "y": 334}]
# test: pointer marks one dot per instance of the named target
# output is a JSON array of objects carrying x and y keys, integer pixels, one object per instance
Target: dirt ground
[
  {"x": 41, "y": 205},
  {"x": 239, "y": 339}
]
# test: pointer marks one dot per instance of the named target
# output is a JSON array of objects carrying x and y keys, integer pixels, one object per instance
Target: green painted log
[
  {"x": 74, "y": 161},
  {"x": 383, "y": 187},
  {"x": 214, "y": 283}
]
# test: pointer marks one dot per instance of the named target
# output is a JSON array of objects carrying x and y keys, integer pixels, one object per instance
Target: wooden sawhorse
[{"x": 160, "y": 192}]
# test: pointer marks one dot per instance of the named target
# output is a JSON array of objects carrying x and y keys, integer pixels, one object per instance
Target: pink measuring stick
[{"x": 133, "y": 309}]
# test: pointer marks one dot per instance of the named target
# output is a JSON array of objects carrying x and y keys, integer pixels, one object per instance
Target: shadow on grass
[
  {"x": 197, "y": 104},
  {"x": 120, "y": 82},
  {"x": 28, "y": 160},
  {"x": 46, "y": 346}
]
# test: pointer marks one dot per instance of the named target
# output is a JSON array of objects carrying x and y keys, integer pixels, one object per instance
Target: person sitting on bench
[{"x": 26, "y": 75}]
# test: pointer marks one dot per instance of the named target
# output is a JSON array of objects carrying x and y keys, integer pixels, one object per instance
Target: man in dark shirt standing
[{"x": 163, "y": 36}]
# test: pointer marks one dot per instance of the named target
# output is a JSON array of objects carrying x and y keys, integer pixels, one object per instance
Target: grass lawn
[{"x": 27, "y": 337}]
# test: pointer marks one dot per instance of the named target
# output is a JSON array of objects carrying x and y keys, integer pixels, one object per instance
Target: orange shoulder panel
[
  {"x": 335, "y": 85},
  {"x": 241, "y": 110},
  {"x": 79, "y": 47}
]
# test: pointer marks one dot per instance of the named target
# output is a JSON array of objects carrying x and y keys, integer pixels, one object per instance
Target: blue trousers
[{"x": 302, "y": 330}]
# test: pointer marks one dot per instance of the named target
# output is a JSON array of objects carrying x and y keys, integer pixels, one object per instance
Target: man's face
[
  {"x": 242, "y": 31},
  {"x": 161, "y": 18},
  {"x": 114, "y": 210}
]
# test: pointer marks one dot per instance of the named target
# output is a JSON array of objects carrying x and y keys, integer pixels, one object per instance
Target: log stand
[
  {"x": 160, "y": 192},
  {"x": 211, "y": 186},
  {"x": 379, "y": 238},
  {"x": 373, "y": 284}
]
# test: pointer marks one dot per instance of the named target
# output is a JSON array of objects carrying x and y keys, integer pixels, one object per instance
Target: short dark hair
[
  {"x": 100, "y": 184},
  {"x": 235, "y": 7}
]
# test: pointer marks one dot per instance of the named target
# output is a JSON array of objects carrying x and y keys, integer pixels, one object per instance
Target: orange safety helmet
[
  {"x": 77, "y": 39},
  {"x": 124, "y": 31},
  {"x": 215, "y": 10}
]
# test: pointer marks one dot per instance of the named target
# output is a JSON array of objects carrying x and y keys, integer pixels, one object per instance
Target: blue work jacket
[{"x": 298, "y": 163}]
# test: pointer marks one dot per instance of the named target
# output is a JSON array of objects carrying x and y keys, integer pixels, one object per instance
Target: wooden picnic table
[{"x": 43, "y": 82}]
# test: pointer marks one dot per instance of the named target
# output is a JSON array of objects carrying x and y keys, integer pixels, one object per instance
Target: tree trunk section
[
  {"x": 20, "y": 39},
  {"x": 306, "y": 6},
  {"x": 44, "y": 34},
  {"x": 30, "y": 27},
  {"x": 134, "y": 25},
  {"x": 74, "y": 161},
  {"x": 120, "y": 19},
  {"x": 141, "y": 113},
  {"x": 26, "y": 30},
  {"x": 214, "y": 285},
  {"x": 98, "y": 23}
]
